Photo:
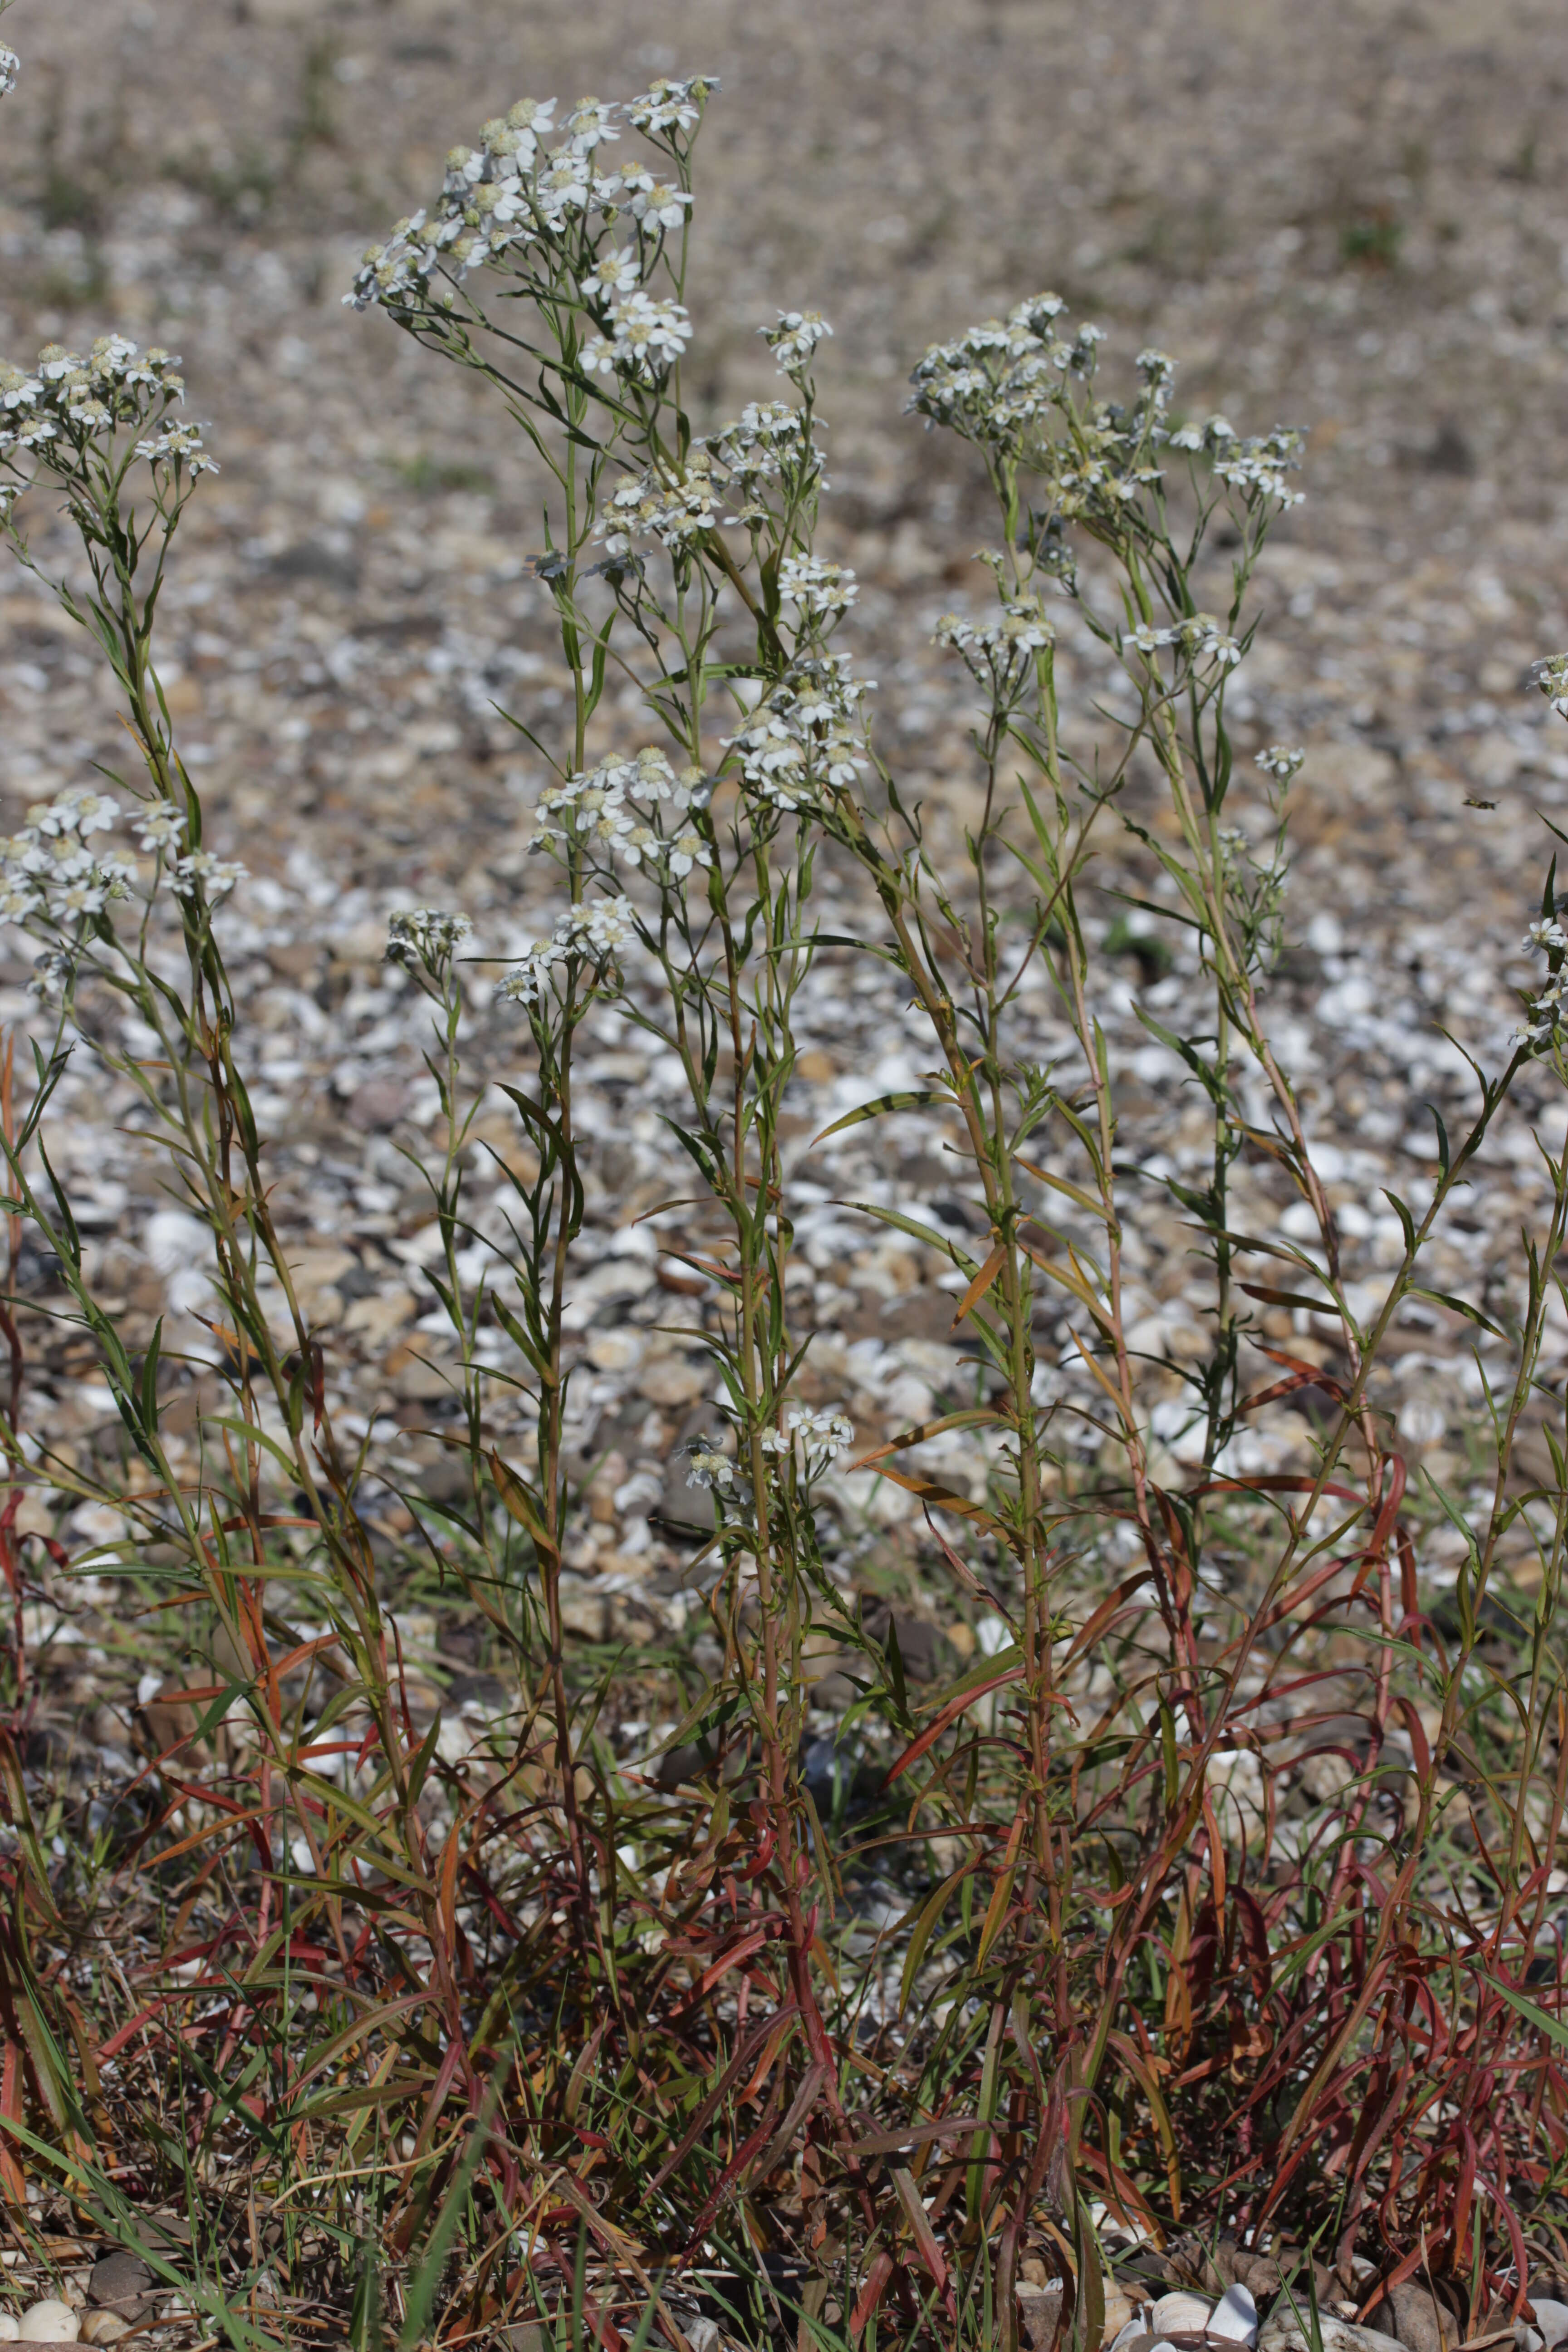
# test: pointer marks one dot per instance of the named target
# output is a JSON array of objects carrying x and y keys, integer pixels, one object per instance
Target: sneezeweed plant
[
  {"x": 561, "y": 278},
  {"x": 1128, "y": 1988}
]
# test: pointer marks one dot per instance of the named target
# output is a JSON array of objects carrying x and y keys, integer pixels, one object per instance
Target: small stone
[
  {"x": 1419, "y": 2318},
  {"x": 104, "y": 2327},
  {"x": 583, "y": 1612},
  {"x": 620, "y": 1350},
  {"x": 1041, "y": 2312},
  {"x": 48, "y": 2323},
  {"x": 8, "y": 2328},
  {"x": 671, "y": 1380},
  {"x": 377, "y": 1105},
  {"x": 420, "y": 1378}
]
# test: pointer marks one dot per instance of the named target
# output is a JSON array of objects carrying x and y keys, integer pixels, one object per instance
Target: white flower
[
  {"x": 817, "y": 1437},
  {"x": 1201, "y": 636},
  {"x": 589, "y": 123},
  {"x": 529, "y": 121},
  {"x": 424, "y": 935},
  {"x": 564, "y": 186},
  {"x": 674, "y": 512},
  {"x": 81, "y": 809},
  {"x": 181, "y": 444},
  {"x": 806, "y": 734},
  {"x": 1546, "y": 932},
  {"x": 999, "y": 651},
  {"x": 159, "y": 826},
  {"x": 816, "y": 586},
  {"x": 1552, "y": 678},
  {"x": 1280, "y": 760},
  {"x": 199, "y": 868},
  {"x": 709, "y": 1466},
  {"x": 10, "y": 67},
  {"x": 18, "y": 389},
  {"x": 657, "y": 203},
  {"x": 614, "y": 273},
  {"x": 795, "y": 338},
  {"x": 672, "y": 105},
  {"x": 642, "y": 325},
  {"x": 688, "y": 849}
]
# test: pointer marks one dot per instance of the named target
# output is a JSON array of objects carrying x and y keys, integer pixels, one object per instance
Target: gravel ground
[{"x": 1350, "y": 218}]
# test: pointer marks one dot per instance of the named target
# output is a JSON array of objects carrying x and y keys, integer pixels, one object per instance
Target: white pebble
[
  {"x": 1236, "y": 2316},
  {"x": 1551, "y": 2319},
  {"x": 8, "y": 2328},
  {"x": 48, "y": 2323}
]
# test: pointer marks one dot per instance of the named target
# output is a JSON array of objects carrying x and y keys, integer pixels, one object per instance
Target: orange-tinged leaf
[
  {"x": 981, "y": 1283},
  {"x": 943, "y": 1498}
]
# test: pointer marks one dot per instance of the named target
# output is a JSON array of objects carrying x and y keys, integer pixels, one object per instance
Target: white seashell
[
  {"x": 1236, "y": 2316},
  {"x": 1162, "y": 2346},
  {"x": 1181, "y": 2314},
  {"x": 8, "y": 2328},
  {"x": 1124, "y": 2336},
  {"x": 48, "y": 2323}
]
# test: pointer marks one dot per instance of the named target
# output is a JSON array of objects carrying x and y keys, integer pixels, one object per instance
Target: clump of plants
[{"x": 531, "y": 2036}]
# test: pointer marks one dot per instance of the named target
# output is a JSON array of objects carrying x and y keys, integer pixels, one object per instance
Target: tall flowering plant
[{"x": 1122, "y": 1990}]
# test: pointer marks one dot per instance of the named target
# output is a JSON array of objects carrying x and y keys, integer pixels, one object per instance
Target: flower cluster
[
  {"x": 674, "y": 512},
  {"x": 608, "y": 809},
  {"x": 815, "y": 1438},
  {"x": 999, "y": 653},
  {"x": 767, "y": 442},
  {"x": 592, "y": 932},
  {"x": 807, "y": 733},
  {"x": 55, "y": 410},
  {"x": 644, "y": 339},
  {"x": 50, "y": 871},
  {"x": 1544, "y": 1006},
  {"x": 794, "y": 339},
  {"x": 511, "y": 200},
  {"x": 995, "y": 384},
  {"x": 1552, "y": 678},
  {"x": 1283, "y": 762},
  {"x": 425, "y": 938},
  {"x": 709, "y": 1465},
  {"x": 1198, "y": 638},
  {"x": 1257, "y": 469},
  {"x": 201, "y": 871},
  {"x": 10, "y": 67},
  {"x": 669, "y": 105},
  {"x": 815, "y": 587}
]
